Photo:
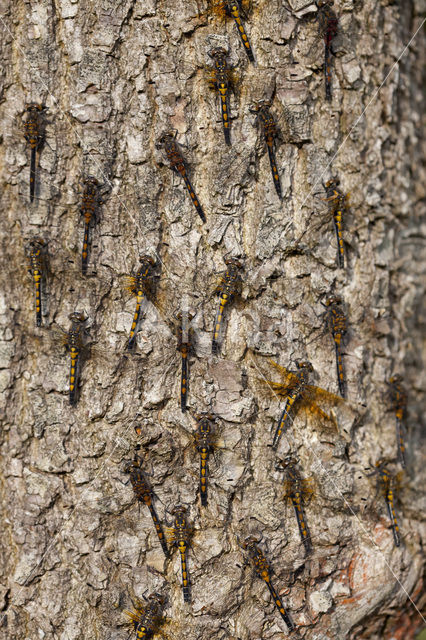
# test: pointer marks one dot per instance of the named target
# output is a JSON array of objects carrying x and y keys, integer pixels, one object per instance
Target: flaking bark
[{"x": 75, "y": 546}]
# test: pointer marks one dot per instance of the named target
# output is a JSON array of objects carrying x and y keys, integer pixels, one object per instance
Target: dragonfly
[
  {"x": 388, "y": 483},
  {"x": 76, "y": 344},
  {"x": 280, "y": 123},
  {"x": 297, "y": 491},
  {"x": 91, "y": 199},
  {"x": 398, "y": 397},
  {"x": 147, "y": 618},
  {"x": 141, "y": 286},
  {"x": 204, "y": 439},
  {"x": 34, "y": 126},
  {"x": 167, "y": 141},
  {"x": 184, "y": 335},
  {"x": 271, "y": 134},
  {"x": 144, "y": 493},
  {"x": 337, "y": 324},
  {"x": 300, "y": 396},
  {"x": 229, "y": 286},
  {"x": 180, "y": 536},
  {"x": 337, "y": 208},
  {"x": 221, "y": 79},
  {"x": 36, "y": 251},
  {"x": 328, "y": 24},
  {"x": 263, "y": 570}
]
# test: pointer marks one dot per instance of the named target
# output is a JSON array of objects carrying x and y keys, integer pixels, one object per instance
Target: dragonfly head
[
  {"x": 77, "y": 316},
  {"x": 217, "y": 52},
  {"x": 304, "y": 364},
  {"x": 322, "y": 3},
  {"x": 259, "y": 105},
  {"x": 396, "y": 378},
  {"x": 234, "y": 261},
  {"x": 332, "y": 300},
  {"x": 165, "y": 138},
  {"x": 250, "y": 542},
  {"x": 34, "y": 107},
  {"x": 332, "y": 184},
  {"x": 158, "y": 598},
  {"x": 145, "y": 258},
  {"x": 91, "y": 180},
  {"x": 179, "y": 510},
  {"x": 34, "y": 244},
  {"x": 288, "y": 461}
]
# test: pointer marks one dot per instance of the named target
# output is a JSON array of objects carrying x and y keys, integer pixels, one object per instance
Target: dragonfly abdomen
[
  {"x": 218, "y": 323},
  {"x": 136, "y": 317},
  {"x": 73, "y": 381},
  {"x": 290, "y": 400},
  {"x": 273, "y": 163},
  {"x": 301, "y": 521},
  {"x": 392, "y": 515},
  {"x": 204, "y": 456},
  {"x": 280, "y": 606},
  {"x": 338, "y": 214},
  {"x": 235, "y": 12},
  {"x": 185, "y": 580}
]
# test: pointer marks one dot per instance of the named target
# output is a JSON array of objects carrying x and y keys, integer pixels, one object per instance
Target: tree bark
[{"x": 76, "y": 547}]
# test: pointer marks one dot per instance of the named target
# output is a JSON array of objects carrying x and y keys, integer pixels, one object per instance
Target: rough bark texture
[{"x": 75, "y": 547}]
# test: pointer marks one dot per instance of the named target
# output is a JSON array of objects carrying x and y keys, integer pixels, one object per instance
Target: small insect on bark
[
  {"x": 177, "y": 163},
  {"x": 228, "y": 288},
  {"x": 36, "y": 252},
  {"x": 34, "y": 133}
]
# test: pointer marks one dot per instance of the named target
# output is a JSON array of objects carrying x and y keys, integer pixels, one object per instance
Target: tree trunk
[{"x": 76, "y": 548}]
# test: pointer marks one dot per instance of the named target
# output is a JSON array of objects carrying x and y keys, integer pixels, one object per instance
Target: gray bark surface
[{"x": 75, "y": 547}]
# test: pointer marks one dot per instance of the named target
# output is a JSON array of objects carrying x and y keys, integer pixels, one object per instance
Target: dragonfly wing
[
  {"x": 288, "y": 378},
  {"x": 323, "y": 396}
]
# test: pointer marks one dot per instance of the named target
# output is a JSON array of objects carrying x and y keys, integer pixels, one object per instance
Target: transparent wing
[
  {"x": 322, "y": 396},
  {"x": 289, "y": 379}
]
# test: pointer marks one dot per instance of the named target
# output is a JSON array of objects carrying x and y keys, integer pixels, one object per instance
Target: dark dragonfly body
[
  {"x": 178, "y": 164},
  {"x": 74, "y": 343},
  {"x": 147, "y": 618},
  {"x": 328, "y": 22},
  {"x": 271, "y": 134},
  {"x": 140, "y": 286},
  {"x": 294, "y": 394},
  {"x": 228, "y": 288},
  {"x": 204, "y": 442},
  {"x": 387, "y": 481},
  {"x": 184, "y": 332},
  {"x": 399, "y": 405},
  {"x": 34, "y": 134},
  {"x": 144, "y": 493},
  {"x": 90, "y": 202},
  {"x": 234, "y": 9},
  {"x": 181, "y": 538},
  {"x": 263, "y": 571},
  {"x": 338, "y": 328},
  {"x": 36, "y": 255},
  {"x": 295, "y": 491},
  {"x": 222, "y": 83},
  {"x": 337, "y": 206}
]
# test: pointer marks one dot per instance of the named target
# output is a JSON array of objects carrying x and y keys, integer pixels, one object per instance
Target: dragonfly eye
[
  {"x": 33, "y": 106},
  {"x": 146, "y": 258},
  {"x": 92, "y": 180},
  {"x": 76, "y": 316},
  {"x": 333, "y": 300},
  {"x": 179, "y": 510}
]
